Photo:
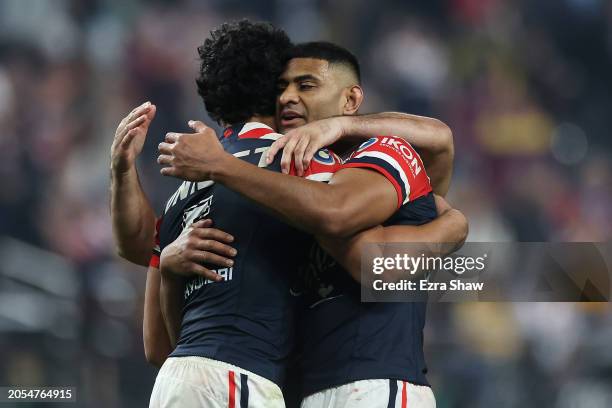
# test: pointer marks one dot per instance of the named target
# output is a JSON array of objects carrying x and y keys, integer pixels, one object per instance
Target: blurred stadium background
[{"x": 525, "y": 86}]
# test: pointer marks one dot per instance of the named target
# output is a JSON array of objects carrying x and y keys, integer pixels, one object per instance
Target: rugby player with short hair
[
  {"x": 201, "y": 241},
  {"x": 354, "y": 354}
]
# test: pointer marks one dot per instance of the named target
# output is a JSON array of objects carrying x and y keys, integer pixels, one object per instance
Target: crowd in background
[{"x": 524, "y": 85}]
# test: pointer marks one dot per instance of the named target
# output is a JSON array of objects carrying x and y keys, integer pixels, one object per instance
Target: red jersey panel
[{"x": 397, "y": 160}]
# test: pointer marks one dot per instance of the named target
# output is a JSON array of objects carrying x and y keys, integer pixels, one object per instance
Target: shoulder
[
  {"x": 397, "y": 147},
  {"x": 323, "y": 165}
]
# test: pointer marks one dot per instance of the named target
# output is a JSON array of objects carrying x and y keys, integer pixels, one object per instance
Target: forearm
[
  {"x": 155, "y": 337},
  {"x": 440, "y": 237},
  {"x": 432, "y": 137},
  {"x": 302, "y": 203},
  {"x": 171, "y": 301},
  {"x": 133, "y": 218}
]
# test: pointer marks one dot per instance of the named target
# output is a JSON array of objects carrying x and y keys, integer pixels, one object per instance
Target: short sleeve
[{"x": 398, "y": 161}]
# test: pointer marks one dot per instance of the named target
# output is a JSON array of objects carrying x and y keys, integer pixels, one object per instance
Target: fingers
[
  {"x": 207, "y": 273},
  {"x": 207, "y": 245},
  {"x": 128, "y": 138},
  {"x": 137, "y": 111},
  {"x": 298, "y": 157},
  {"x": 215, "y": 247},
  {"x": 205, "y": 257},
  {"x": 287, "y": 155},
  {"x": 165, "y": 159},
  {"x": 213, "y": 233},
  {"x": 165, "y": 148},
  {"x": 311, "y": 150},
  {"x": 135, "y": 118},
  {"x": 197, "y": 126},
  {"x": 168, "y": 171},
  {"x": 172, "y": 137},
  {"x": 203, "y": 223},
  {"x": 151, "y": 113},
  {"x": 274, "y": 148},
  {"x": 132, "y": 125}
]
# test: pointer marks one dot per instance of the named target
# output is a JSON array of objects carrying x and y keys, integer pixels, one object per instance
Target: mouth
[{"x": 290, "y": 118}]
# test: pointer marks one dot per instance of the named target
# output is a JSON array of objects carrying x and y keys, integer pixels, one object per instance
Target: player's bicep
[
  {"x": 397, "y": 160},
  {"x": 364, "y": 198}
]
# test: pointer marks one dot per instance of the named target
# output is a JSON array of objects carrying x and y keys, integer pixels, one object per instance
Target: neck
[{"x": 266, "y": 120}]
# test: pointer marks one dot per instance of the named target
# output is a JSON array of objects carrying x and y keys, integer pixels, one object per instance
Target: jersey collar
[{"x": 249, "y": 130}]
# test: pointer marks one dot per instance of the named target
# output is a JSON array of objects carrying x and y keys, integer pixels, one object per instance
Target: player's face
[{"x": 309, "y": 90}]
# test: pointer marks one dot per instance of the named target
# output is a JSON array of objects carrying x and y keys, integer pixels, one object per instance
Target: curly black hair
[{"x": 240, "y": 66}]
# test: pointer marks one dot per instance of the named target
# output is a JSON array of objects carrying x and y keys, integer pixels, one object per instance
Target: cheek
[{"x": 329, "y": 107}]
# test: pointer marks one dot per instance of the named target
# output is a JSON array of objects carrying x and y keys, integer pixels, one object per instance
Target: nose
[{"x": 289, "y": 96}]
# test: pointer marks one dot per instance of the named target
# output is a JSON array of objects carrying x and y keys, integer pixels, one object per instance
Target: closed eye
[{"x": 280, "y": 87}]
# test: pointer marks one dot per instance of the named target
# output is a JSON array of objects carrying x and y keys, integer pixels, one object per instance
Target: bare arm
[
  {"x": 132, "y": 216},
  {"x": 339, "y": 208},
  {"x": 439, "y": 237},
  {"x": 171, "y": 301},
  {"x": 155, "y": 336},
  {"x": 432, "y": 137},
  {"x": 336, "y": 209},
  {"x": 200, "y": 244}
]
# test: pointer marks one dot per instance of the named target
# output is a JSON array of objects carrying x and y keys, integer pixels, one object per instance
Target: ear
[{"x": 354, "y": 97}]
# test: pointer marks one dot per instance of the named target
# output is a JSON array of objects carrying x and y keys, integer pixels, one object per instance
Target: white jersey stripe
[
  {"x": 253, "y": 125},
  {"x": 320, "y": 176},
  {"x": 272, "y": 136},
  {"x": 390, "y": 160}
]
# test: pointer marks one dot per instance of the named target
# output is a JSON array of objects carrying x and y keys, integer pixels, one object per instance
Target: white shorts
[
  {"x": 187, "y": 382},
  {"x": 373, "y": 394}
]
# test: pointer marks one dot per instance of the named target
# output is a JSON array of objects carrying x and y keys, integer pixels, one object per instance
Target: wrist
[
  {"x": 165, "y": 258},
  {"x": 222, "y": 167},
  {"x": 120, "y": 174},
  {"x": 346, "y": 126},
  {"x": 167, "y": 273},
  {"x": 356, "y": 128}
]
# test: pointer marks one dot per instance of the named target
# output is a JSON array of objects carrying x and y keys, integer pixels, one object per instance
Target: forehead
[{"x": 299, "y": 67}]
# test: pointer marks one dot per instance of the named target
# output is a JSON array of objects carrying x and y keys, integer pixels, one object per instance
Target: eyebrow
[{"x": 305, "y": 77}]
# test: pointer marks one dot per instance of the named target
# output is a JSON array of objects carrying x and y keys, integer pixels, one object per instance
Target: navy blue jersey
[
  {"x": 344, "y": 340},
  {"x": 248, "y": 318}
]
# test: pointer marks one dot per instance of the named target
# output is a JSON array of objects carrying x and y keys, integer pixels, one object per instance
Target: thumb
[{"x": 197, "y": 125}]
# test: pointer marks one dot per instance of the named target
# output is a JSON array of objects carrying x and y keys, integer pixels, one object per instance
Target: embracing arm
[
  {"x": 364, "y": 193},
  {"x": 430, "y": 136},
  {"x": 339, "y": 209},
  {"x": 440, "y": 237},
  {"x": 155, "y": 336}
]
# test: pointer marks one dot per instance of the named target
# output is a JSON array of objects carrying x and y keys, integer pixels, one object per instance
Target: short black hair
[
  {"x": 330, "y": 52},
  {"x": 240, "y": 66}
]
